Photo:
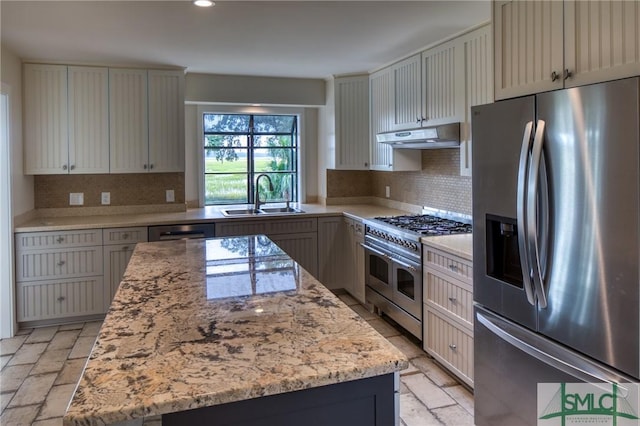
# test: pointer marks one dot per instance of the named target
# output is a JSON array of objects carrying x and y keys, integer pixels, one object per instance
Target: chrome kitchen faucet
[{"x": 257, "y": 198}]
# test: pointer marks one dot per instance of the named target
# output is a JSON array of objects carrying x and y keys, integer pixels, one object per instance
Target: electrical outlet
[
  {"x": 76, "y": 198},
  {"x": 170, "y": 196},
  {"x": 105, "y": 198},
  {"x": 387, "y": 191}
]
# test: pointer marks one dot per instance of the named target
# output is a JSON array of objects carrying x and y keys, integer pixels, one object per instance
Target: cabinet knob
[
  {"x": 554, "y": 76},
  {"x": 125, "y": 248},
  {"x": 453, "y": 300},
  {"x": 125, "y": 236},
  {"x": 145, "y": 167},
  {"x": 453, "y": 267},
  {"x": 150, "y": 166},
  {"x": 567, "y": 74},
  {"x": 61, "y": 299},
  {"x": 366, "y": 164},
  {"x": 64, "y": 167},
  {"x": 60, "y": 239},
  {"x": 61, "y": 263},
  {"x": 453, "y": 346},
  {"x": 72, "y": 167},
  {"x": 418, "y": 120}
]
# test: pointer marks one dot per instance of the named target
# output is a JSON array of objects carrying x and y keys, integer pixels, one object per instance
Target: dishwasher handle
[
  {"x": 178, "y": 235},
  {"x": 181, "y": 231}
]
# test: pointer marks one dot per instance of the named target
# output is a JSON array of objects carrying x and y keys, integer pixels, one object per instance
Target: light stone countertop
[
  {"x": 197, "y": 323},
  {"x": 206, "y": 214},
  {"x": 459, "y": 245}
]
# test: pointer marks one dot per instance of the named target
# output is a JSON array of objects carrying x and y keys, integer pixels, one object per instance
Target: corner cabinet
[
  {"x": 448, "y": 311},
  {"x": 352, "y": 123},
  {"x": 547, "y": 45},
  {"x": 66, "y": 116},
  {"x": 331, "y": 252},
  {"x": 382, "y": 113}
]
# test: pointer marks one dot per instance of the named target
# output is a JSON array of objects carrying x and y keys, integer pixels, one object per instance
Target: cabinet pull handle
[
  {"x": 61, "y": 263},
  {"x": 60, "y": 239},
  {"x": 125, "y": 248},
  {"x": 150, "y": 166},
  {"x": 419, "y": 120},
  {"x": 453, "y": 346},
  {"x": 453, "y": 300},
  {"x": 61, "y": 299},
  {"x": 64, "y": 167},
  {"x": 554, "y": 76},
  {"x": 125, "y": 236},
  {"x": 567, "y": 74},
  {"x": 453, "y": 267},
  {"x": 145, "y": 167},
  {"x": 366, "y": 164}
]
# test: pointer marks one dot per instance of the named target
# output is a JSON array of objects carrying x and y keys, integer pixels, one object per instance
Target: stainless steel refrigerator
[{"x": 556, "y": 245}]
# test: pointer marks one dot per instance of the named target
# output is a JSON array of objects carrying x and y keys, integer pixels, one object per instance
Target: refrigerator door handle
[
  {"x": 547, "y": 352},
  {"x": 523, "y": 246},
  {"x": 532, "y": 215}
]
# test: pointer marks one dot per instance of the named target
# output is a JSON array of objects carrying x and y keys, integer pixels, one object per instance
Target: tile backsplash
[
  {"x": 438, "y": 184},
  {"x": 131, "y": 189}
]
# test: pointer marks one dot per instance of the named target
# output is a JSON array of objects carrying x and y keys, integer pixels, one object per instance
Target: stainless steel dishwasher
[{"x": 180, "y": 232}]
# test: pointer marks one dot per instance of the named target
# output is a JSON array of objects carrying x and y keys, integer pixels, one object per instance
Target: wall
[
  {"x": 22, "y": 186},
  {"x": 52, "y": 191},
  {"x": 438, "y": 184}
]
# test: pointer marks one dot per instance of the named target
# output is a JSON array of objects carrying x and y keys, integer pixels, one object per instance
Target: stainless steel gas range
[{"x": 393, "y": 261}]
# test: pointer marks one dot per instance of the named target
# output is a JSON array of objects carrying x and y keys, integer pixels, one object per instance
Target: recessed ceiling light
[{"x": 203, "y": 3}]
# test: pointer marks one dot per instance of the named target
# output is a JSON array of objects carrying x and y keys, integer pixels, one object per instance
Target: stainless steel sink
[
  {"x": 262, "y": 211},
  {"x": 272, "y": 210}
]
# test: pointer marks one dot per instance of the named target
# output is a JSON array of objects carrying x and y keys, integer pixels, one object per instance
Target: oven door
[
  {"x": 378, "y": 268},
  {"x": 407, "y": 285}
]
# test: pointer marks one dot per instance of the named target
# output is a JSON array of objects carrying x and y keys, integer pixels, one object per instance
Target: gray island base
[{"x": 232, "y": 331}]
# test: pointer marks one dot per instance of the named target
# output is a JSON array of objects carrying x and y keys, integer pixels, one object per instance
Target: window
[{"x": 240, "y": 147}]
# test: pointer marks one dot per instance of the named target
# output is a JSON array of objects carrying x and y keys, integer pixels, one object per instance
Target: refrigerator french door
[{"x": 556, "y": 234}]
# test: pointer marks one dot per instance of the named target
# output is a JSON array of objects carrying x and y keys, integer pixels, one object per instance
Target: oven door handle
[
  {"x": 376, "y": 251},
  {"x": 406, "y": 265}
]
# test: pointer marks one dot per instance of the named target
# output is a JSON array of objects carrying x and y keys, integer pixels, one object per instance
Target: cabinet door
[
  {"x": 331, "y": 252},
  {"x": 128, "y": 124},
  {"x": 358, "y": 288},
  {"x": 45, "y": 114},
  {"x": 382, "y": 106},
  {"x": 116, "y": 259},
  {"x": 601, "y": 40},
  {"x": 442, "y": 83},
  {"x": 352, "y": 122},
  {"x": 166, "y": 121},
  {"x": 478, "y": 85},
  {"x": 88, "y": 120},
  {"x": 407, "y": 89},
  {"x": 303, "y": 248},
  {"x": 528, "y": 47}
]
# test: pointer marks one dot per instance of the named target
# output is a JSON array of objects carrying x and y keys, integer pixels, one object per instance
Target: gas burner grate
[{"x": 427, "y": 224}]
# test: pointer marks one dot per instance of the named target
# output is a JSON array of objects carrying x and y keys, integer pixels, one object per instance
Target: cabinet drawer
[
  {"x": 42, "y": 300},
  {"x": 454, "y": 266},
  {"x": 58, "y": 239},
  {"x": 449, "y": 344},
  {"x": 450, "y": 295},
  {"x": 32, "y": 265},
  {"x": 124, "y": 235}
]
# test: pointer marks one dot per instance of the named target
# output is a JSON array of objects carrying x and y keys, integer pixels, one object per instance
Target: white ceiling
[{"x": 312, "y": 39}]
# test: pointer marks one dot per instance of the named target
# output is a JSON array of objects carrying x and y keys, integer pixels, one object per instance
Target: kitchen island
[{"x": 232, "y": 329}]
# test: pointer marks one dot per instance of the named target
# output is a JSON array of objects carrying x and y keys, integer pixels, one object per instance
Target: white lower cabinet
[
  {"x": 448, "y": 311},
  {"x": 66, "y": 274},
  {"x": 297, "y": 237},
  {"x": 59, "y": 274},
  {"x": 119, "y": 244},
  {"x": 354, "y": 259}
]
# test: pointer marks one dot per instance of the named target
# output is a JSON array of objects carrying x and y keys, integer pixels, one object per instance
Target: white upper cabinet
[
  {"x": 128, "y": 126},
  {"x": 88, "y": 120},
  {"x": 478, "y": 84},
  {"x": 46, "y": 137},
  {"x": 166, "y": 121},
  {"x": 407, "y": 90},
  {"x": 601, "y": 40},
  {"x": 352, "y": 123},
  {"x": 382, "y": 115},
  {"x": 66, "y": 119},
  {"x": 547, "y": 45},
  {"x": 443, "y": 84},
  {"x": 147, "y": 120}
]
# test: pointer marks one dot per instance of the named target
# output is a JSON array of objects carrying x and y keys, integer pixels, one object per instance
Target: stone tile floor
[{"x": 40, "y": 368}]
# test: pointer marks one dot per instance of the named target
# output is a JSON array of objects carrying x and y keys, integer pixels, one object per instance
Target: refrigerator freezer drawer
[{"x": 510, "y": 361}]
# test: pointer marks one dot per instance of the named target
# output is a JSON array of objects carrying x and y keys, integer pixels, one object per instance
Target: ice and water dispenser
[{"x": 503, "y": 258}]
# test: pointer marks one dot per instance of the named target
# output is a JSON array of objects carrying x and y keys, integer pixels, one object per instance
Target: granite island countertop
[{"x": 197, "y": 323}]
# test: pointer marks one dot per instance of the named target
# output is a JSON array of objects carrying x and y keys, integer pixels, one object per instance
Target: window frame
[{"x": 298, "y": 160}]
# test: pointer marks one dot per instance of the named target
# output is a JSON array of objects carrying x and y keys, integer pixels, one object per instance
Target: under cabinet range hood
[{"x": 444, "y": 136}]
